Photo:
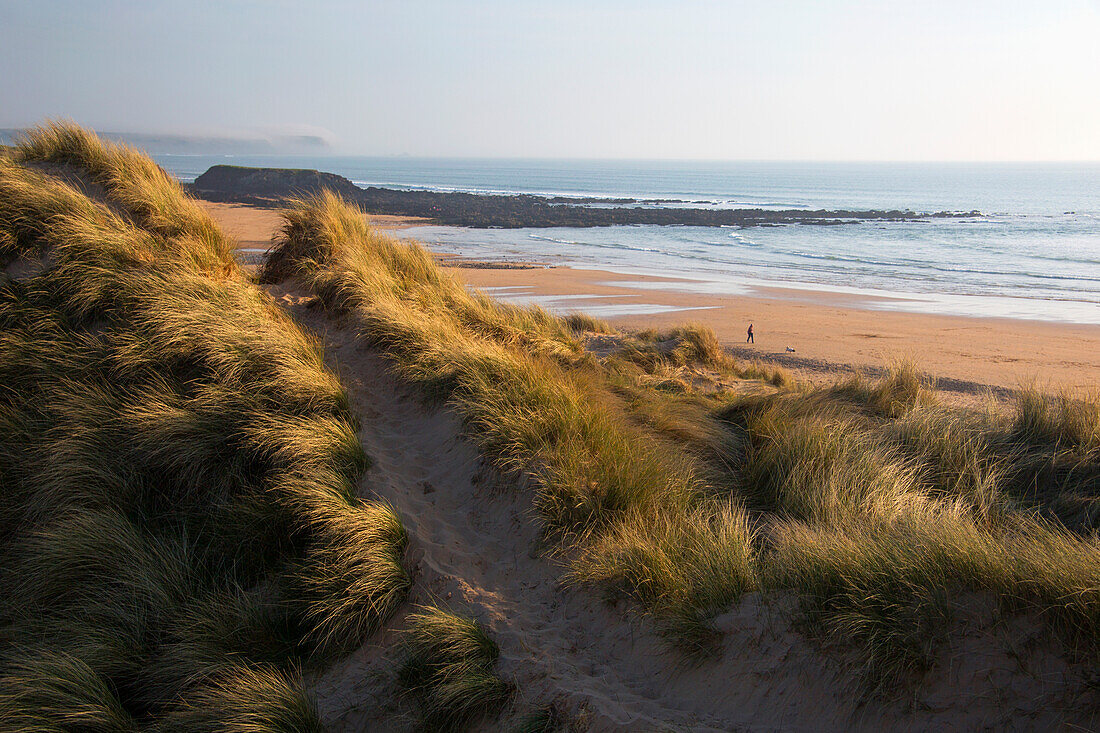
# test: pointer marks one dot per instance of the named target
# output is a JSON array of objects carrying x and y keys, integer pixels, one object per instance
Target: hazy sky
[{"x": 794, "y": 79}]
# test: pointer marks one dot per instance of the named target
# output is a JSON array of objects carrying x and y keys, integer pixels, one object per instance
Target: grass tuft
[
  {"x": 895, "y": 589},
  {"x": 685, "y": 568},
  {"x": 824, "y": 469},
  {"x": 143, "y": 189},
  {"x": 549, "y": 719},
  {"x": 51, "y": 691},
  {"x": 448, "y": 669},
  {"x": 1064, "y": 421},
  {"x": 244, "y": 700},
  {"x": 584, "y": 323}
]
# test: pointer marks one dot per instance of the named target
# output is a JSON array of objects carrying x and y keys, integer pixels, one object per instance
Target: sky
[{"x": 679, "y": 79}]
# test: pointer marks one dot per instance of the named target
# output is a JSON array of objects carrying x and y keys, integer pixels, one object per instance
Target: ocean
[{"x": 1033, "y": 253}]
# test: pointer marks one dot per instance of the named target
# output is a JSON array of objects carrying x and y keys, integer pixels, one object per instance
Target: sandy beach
[
  {"x": 254, "y": 227},
  {"x": 827, "y": 331}
]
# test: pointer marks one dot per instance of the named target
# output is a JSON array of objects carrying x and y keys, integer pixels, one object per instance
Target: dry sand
[
  {"x": 254, "y": 227},
  {"x": 826, "y": 330}
]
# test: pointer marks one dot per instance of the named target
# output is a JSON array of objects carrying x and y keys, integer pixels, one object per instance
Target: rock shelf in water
[{"x": 272, "y": 186}]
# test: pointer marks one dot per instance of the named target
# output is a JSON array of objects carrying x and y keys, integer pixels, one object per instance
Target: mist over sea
[{"x": 1033, "y": 253}]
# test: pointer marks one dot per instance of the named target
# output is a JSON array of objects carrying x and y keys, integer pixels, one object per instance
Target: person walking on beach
[{"x": 749, "y": 339}]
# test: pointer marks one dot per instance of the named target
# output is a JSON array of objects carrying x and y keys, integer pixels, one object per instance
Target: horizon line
[{"x": 575, "y": 158}]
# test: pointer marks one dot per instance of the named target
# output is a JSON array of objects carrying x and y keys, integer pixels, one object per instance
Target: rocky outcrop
[
  {"x": 271, "y": 186},
  {"x": 276, "y": 183}
]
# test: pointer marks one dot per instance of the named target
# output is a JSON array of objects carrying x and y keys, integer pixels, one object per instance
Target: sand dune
[
  {"x": 474, "y": 545},
  {"x": 474, "y": 537}
]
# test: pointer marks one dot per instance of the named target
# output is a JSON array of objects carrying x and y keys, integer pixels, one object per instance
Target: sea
[{"x": 1033, "y": 251}]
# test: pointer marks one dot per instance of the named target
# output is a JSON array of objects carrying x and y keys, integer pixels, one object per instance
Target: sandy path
[{"x": 474, "y": 548}]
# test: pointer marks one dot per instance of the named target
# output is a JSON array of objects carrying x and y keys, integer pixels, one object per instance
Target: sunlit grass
[
  {"x": 533, "y": 401},
  {"x": 152, "y": 197},
  {"x": 180, "y": 531},
  {"x": 642, "y": 471},
  {"x": 179, "y": 527},
  {"x": 448, "y": 668}
]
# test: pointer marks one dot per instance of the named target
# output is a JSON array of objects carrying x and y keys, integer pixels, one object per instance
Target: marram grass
[
  {"x": 448, "y": 670},
  {"x": 535, "y": 404},
  {"x": 179, "y": 526},
  {"x": 879, "y": 502},
  {"x": 132, "y": 180}
]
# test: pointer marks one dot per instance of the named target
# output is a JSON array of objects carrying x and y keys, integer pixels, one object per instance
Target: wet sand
[{"x": 829, "y": 332}]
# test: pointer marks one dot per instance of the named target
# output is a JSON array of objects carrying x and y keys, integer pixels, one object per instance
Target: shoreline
[{"x": 830, "y": 334}]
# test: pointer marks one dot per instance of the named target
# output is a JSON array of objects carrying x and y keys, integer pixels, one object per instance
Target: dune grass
[
  {"x": 901, "y": 389},
  {"x": 179, "y": 528},
  {"x": 324, "y": 228},
  {"x": 546, "y": 720},
  {"x": 582, "y": 322},
  {"x": 180, "y": 534},
  {"x": 537, "y": 405},
  {"x": 956, "y": 454},
  {"x": 896, "y": 589},
  {"x": 151, "y": 197},
  {"x": 448, "y": 669},
  {"x": 689, "y": 344},
  {"x": 50, "y": 691},
  {"x": 1064, "y": 421},
  {"x": 897, "y": 514},
  {"x": 245, "y": 700},
  {"x": 822, "y": 470},
  {"x": 683, "y": 569},
  {"x": 875, "y": 503}
]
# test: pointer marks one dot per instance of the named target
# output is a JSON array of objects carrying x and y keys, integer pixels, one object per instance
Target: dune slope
[
  {"x": 905, "y": 558},
  {"x": 178, "y": 531},
  {"x": 356, "y": 496},
  {"x": 475, "y": 544}
]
